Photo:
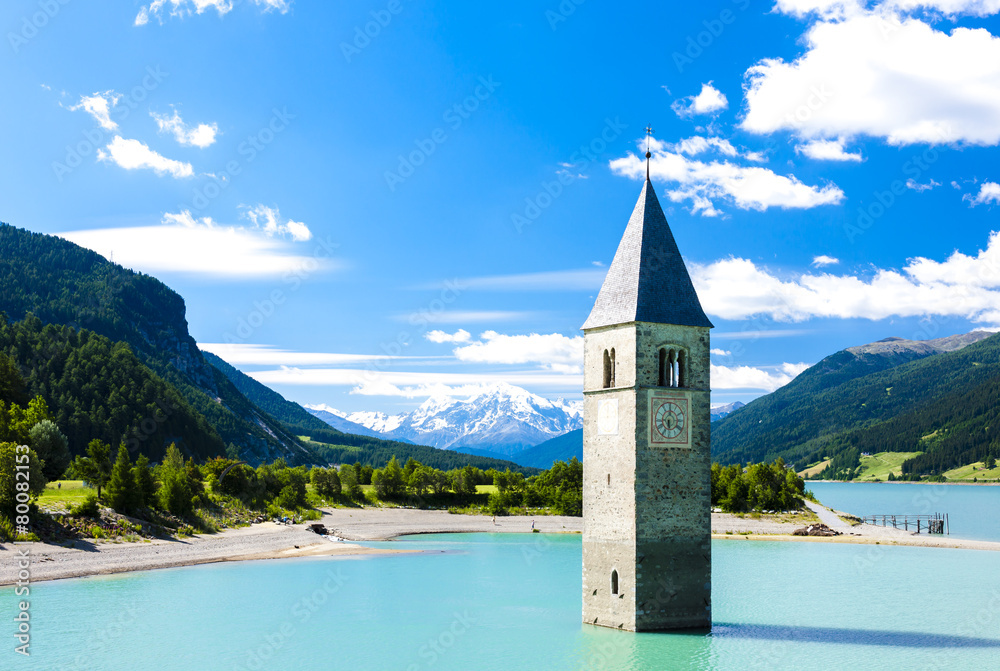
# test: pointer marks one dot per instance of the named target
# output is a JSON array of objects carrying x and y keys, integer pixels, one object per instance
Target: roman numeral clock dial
[{"x": 668, "y": 421}]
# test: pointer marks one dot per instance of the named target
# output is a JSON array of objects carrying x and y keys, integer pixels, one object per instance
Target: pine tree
[
  {"x": 95, "y": 468},
  {"x": 121, "y": 494},
  {"x": 145, "y": 485}
]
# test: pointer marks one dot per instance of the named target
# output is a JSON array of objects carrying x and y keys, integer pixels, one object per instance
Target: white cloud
[
  {"x": 829, "y": 9},
  {"x": 461, "y": 335},
  {"x": 920, "y": 188},
  {"x": 703, "y": 183},
  {"x": 186, "y": 244},
  {"x": 134, "y": 155},
  {"x": 989, "y": 192},
  {"x": 709, "y": 100},
  {"x": 268, "y": 219},
  {"x": 462, "y": 316},
  {"x": 245, "y": 354},
  {"x": 693, "y": 146},
  {"x": 748, "y": 377},
  {"x": 720, "y": 352},
  {"x": 185, "y": 8},
  {"x": 826, "y": 150},
  {"x": 824, "y": 260},
  {"x": 949, "y": 7},
  {"x": 201, "y": 136},
  {"x": 881, "y": 75},
  {"x": 962, "y": 286},
  {"x": 547, "y": 350},
  {"x": 99, "y": 106},
  {"x": 557, "y": 280},
  {"x": 378, "y": 382}
]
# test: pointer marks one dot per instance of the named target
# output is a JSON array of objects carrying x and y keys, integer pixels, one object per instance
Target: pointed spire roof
[{"x": 647, "y": 281}]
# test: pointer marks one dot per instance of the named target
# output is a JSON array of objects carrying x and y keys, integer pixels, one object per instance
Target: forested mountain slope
[{"x": 848, "y": 399}]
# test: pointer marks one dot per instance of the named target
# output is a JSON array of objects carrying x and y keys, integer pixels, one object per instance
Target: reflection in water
[{"x": 900, "y": 639}]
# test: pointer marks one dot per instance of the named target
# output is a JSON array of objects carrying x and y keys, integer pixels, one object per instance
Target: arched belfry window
[
  {"x": 609, "y": 368},
  {"x": 673, "y": 367},
  {"x": 614, "y": 582}
]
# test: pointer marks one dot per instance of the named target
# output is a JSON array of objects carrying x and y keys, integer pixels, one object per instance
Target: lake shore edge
[{"x": 273, "y": 541}]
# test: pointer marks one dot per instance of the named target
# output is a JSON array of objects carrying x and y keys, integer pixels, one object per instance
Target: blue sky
[{"x": 366, "y": 203}]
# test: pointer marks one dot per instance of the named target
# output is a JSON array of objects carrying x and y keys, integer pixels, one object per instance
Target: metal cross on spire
[{"x": 649, "y": 133}]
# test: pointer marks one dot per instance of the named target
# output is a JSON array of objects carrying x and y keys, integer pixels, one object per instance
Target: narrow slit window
[
  {"x": 612, "y": 367},
  {"x": 663, "y": 367},
  {"x": 681, "y": 369},
  {"x": 607, "y": 369},
  {"x": 614, "y": 582}
]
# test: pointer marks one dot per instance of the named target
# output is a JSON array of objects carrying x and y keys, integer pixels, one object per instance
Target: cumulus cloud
[
  {"x": 824, "y": 260},
  {"x": 961, "y": 286},
  {"x": 748, "y": 377},
  {"x": 709, "y": 100},
  {"x": 134, "y": 155},
  {"x": 99, "y": 106},
  {"x": 826, "y": 150},
  {"x": 201, "y": 136},
  {"x": 989, "y": 192},
  {"x": 461, "y": 335},
  {"x": 705, "y": 183},
  {"x": 184, "y": 243},
  {"x": 881, "y": 74},
  {"x": 270, "y": 221},
  {"x": 720, "y": 352},
  {"x": 158, "y": 9}
]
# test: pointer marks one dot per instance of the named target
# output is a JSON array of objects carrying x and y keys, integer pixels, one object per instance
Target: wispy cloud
[
  {"x": 99, "y": 106},
  {"x": 186, "y": 244},
  {"x": 201, "y": 136},
  {"x": 159, "y": 9}
]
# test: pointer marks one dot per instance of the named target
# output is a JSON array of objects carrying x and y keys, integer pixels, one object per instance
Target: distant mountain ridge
[
  {"x": 721, "y": 411},
  {"x": 501, "y": 419}
]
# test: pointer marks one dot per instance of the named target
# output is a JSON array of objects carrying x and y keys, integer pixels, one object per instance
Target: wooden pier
[{"x": 932, "y": 524}]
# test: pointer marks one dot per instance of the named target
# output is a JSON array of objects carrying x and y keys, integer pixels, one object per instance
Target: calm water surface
[
  {"x": 973, "y": 510},
  {"x": 491, "y": 601}
]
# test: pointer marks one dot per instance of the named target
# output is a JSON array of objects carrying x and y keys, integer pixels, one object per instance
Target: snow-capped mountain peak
[{"x": 497, "y": 417}]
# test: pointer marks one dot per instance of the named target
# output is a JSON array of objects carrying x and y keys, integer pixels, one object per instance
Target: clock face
[
  {"x": 668, "y": 421},
  {"x": 607, "y": 417}
]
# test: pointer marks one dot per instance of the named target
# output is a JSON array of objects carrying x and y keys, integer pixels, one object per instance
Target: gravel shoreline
[{"x": 273, "y": 541}]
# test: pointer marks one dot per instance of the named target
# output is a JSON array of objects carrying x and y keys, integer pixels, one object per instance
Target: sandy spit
[{"x": 273, "y": 541}]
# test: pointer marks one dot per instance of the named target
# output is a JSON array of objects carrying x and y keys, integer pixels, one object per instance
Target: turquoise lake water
[
  {"x": 973, "y": 511},
  {"x": 491, "y": 601}
]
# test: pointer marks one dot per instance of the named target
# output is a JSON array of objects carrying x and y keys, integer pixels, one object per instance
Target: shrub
[
  {"x": 89, "y": 507},
  {"x": 7, "y": 531},
  {"x": 97, "y": 532}
]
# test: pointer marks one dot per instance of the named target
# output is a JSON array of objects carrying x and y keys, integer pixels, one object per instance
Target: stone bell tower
[{"x": 647, "y": 562}]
